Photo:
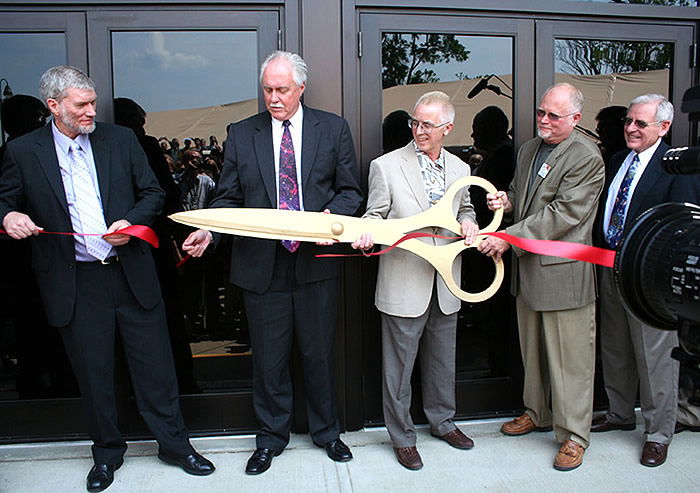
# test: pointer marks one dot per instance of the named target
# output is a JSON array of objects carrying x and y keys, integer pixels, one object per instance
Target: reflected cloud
[{"x": 158, "y": 54}]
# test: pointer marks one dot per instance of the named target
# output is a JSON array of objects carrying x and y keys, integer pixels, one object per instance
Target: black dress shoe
[
  {"x": 601, "y": 424},
  {"x": 194, "y": 463},
  {"x": 680, "y": 427},
  {"x": 260, "y": 461},
  {"x": 101, "y": 476},
  {"x": 337, "y": 450}
]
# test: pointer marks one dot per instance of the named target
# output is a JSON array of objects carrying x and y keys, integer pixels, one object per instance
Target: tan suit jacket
[
  {"x": 560, "y": 206},
  {"x": 396, "y": 190}
]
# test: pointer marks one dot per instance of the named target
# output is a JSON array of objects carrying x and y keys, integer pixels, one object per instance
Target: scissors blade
[{"x": 272, "y": 224}]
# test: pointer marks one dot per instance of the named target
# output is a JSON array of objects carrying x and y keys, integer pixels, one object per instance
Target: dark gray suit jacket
[
  {"x": 31, "y": 183},
  {"x": 329, "y": 180}
]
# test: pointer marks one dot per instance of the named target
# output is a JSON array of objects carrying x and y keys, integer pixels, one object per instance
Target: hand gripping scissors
[{"x": 278, "y": 224}]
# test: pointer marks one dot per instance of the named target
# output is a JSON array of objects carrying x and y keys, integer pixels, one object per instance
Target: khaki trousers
[{"x": 558, "y": 350}]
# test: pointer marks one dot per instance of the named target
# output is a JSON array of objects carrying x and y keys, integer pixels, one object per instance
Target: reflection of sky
[
  {"x": 25, "y": 56},
  {"x": 177, "y": 70},
  {"x": 488, "y": 55}
]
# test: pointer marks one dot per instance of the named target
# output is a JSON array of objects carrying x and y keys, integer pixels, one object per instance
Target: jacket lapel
[
  {"x": 265, "y": 157},
  {"x": 102, "y": 157},
  {"x": 46, "y": 155},
  {"x": 310, "y": 138},
  {"x": 412, "y": 174},
  {"x": 652, "y": 173}
]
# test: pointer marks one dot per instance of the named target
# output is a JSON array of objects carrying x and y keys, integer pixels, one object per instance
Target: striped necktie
[{"x": 87, "y": 204}]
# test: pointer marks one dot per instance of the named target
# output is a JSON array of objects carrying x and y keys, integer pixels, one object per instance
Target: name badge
[{"x": 544, "y": 170}]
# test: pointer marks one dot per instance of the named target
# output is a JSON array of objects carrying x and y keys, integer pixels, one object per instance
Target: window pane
[
  {"x": 477, "y": 73},
  {"x": 33, "y": 363},
  {"x": 610, "y": 74},
  {"x": 191, "y": 85}
]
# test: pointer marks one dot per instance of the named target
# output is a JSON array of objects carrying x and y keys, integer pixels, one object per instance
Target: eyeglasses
[
  {"x": 426, "y": 126},
  {"x": 641, "y": 124},
  {"x": 553, "y": 117}
]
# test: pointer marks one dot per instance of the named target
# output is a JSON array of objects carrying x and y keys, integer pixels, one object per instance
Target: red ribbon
[
  {"x": 136, "y": 230},
  {"x": 565, "y": 249}
]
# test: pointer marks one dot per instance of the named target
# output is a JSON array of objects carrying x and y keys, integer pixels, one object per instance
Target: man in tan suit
[
  {"x": 417, "y": 309},
  {"x": 553, "y": 196}
]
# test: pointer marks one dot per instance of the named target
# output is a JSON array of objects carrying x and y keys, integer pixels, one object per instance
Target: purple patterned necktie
[
  {"x": 289, "y": 187},
  {"x": 617, "y": 217}
]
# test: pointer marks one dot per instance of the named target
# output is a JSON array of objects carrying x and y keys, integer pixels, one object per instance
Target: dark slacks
[
  {"x": 288, "y": 310},
  {"x": 104, "y": 305}
]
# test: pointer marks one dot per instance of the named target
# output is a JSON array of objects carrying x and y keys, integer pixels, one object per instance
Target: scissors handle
[{"x": 442, "y": 257}]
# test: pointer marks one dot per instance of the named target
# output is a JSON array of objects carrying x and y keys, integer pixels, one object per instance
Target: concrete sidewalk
[{"x": 497, "y": 463}]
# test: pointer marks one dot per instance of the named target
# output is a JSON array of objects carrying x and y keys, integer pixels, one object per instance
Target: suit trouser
[
  {"x": 435, "y": 333},
  {"x": 307, "y": 312},
  {"x": 558, "y": 350},
  {"x": 637, "y": 355},
  {"x": 105, "y": 304}
]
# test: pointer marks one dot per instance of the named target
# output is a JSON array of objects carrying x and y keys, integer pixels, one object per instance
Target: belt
[{"x": 108, "y": 261}]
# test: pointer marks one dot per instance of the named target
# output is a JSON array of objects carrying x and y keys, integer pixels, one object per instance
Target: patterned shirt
[{"x": 433, "y": 173}]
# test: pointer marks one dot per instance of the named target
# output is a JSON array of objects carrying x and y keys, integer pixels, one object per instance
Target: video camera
[{"x": 657, "y": 266}]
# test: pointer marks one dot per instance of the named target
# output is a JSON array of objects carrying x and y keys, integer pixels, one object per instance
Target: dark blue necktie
[
  {"x": 288, "y": 185},
  {"x": 617, "y": 217}
]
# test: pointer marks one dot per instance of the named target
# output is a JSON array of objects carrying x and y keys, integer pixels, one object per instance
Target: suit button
[{"x": 71, "y": 266}]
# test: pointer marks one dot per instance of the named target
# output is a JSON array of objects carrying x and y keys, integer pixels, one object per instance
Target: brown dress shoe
[
  {"x": 521, "y": 426},
  {"x": 654, "y": 454},
  {"x": 569, "y": 457},
  {"x": 409, "y": 458},
  {"x": 601, "y": 424},
  {"x": 457, "y": 439}
]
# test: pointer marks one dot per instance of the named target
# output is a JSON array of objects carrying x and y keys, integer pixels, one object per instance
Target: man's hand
[
  {"x": 117, "y": 239},
  {"x": 197, "y": 242},
  {"x": 469, "y": 230},
  {"x": 326, "y": 242},
  {"x": 364, "y": 242},
  {"x": 494, "y": 247},
  {"x": 19, "y": 225},
  {"x": 499, "y": 200}
]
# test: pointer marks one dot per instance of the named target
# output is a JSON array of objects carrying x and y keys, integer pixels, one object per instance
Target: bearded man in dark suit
[
  {"x": 288, "y": 157},
  {"x": 77, "y": 175}
]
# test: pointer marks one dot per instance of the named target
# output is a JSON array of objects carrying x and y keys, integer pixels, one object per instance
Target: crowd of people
[{"x": 75, "y": 174}]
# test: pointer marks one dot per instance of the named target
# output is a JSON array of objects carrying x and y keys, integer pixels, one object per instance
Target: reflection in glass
[
  {"x": 33, "y": 363},
  {"x": 189, "y": 85},
  {"x": 476, "y": 71},
  {"x": 611, "y": 73}
]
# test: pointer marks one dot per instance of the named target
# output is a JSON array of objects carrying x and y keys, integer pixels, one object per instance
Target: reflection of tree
[
  {"x": 402, "y": 54},
  {"x": 593, "y": 57},
  {"x": 678, "y": 3}
]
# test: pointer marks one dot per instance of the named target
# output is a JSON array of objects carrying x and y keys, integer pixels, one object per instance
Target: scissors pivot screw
[{"x": 337, "y": 228}]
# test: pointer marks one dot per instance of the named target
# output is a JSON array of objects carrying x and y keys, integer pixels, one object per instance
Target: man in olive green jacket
[{"x": 554, "y": 196}]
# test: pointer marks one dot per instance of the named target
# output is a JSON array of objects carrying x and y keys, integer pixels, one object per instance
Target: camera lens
[{"x": 657, "y": 267}]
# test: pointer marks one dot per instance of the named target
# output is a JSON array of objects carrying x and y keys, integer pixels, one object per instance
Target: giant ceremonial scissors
[{"x": 278, "y": 224}]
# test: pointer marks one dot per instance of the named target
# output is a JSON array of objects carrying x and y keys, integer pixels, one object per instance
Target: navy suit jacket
[
  {"x": 329, "y": 180},
  {"x": 31, "y": 183},
  {"x": 655, "y": 187}
]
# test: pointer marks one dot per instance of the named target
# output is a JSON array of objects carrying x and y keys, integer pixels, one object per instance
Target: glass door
[
  {"x": 188, "y": 74},
  {"x": 611, "y": 64},
  {"x": 476, "y": 61}
]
